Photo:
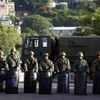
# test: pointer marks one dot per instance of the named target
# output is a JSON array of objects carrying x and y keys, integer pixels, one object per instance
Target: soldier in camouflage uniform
[
  {"x": 31, "y": 70},
  {"x": 13, "y": 60},
  {"x": 46, "y": 68},
  {"x": 46, "y": 64},
  {"x": 31, "y": 63},
  {"x": 63, "y": 68},
  {"x": 96, "y": 74},
  {"x": 96, "y": 63},
  {"x": 63, "y": 64},
  {"x": 81, "y": 70},
  {"x": 3, "y": 68},
  {"x": 80, "y": 64}
]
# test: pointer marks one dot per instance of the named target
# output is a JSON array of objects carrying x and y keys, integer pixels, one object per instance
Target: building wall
[
  {"x": 6, "y": 8},
  {"x": 3, "y": 9},
  {"x": 11, "y": 8}
]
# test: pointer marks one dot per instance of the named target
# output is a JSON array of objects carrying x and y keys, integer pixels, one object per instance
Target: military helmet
[
  {"x": 45, "y": 54},
  {"x": 80, "y": 54},
  {"x": 62, "y": 54},
  {"x": 1, "y": 53},
  {"x": 13, "y": 50},
  {"x": 98, "y": 53},
  {"x": 31, "y": 53}
]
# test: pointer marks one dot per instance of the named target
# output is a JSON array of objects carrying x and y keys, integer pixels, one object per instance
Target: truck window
[
  {"x": 44, "y": 42},
  {"x": 34, "y": 43},
  {"x": 27, "y": 43}
]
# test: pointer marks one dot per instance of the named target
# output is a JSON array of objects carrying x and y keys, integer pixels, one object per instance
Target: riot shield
[
  {"x": 96, "y": 83},
  {"x": 12, "y": 79},
  {"x": 2, "y": 79},
  {"x": 80, "y": 83},
  {"x": 63, "y": 82},
  {"x": 30, "y": 82},
  {"x": 45, "y": 82}
]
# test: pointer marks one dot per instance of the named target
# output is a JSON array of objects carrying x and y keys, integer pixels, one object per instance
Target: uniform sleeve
[
  {"x": 87, "y": 68},
  {"x": 94, "y": 66},
  {"x": 69, "y": 65},
  {"x": 56, "y": 66},
  {"x": 52, "y": 67},
  {"x": 74, "y": 67},
  {"x": 36, "y": 66},
  {"x": 25, "y": 65},
  {"x": 18, "y": 62}
]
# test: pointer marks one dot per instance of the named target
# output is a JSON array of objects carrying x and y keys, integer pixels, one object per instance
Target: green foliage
[
  {"x": 9, "y": 37},
  {"x": 15, "y": 21},
  {"x": 61, "y": 6},
  {"x": 36, "y": 23}
]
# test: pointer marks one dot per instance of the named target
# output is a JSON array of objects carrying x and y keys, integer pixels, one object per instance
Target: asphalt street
[{"x": 53, "y": 96}]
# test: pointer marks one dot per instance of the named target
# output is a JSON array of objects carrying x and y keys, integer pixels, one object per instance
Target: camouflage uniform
[
  {"x": 3, "y": 68},
  {"x": 31, "y": 64},
  {"x": 96, "y": 64},
  {"x": 46, "y": 64},
  {"x": 3, "y": 65},
  {"x": 63, "y": 65},
  {"x": 13, "y": 61},
  {"x": 80, "y": 65}
]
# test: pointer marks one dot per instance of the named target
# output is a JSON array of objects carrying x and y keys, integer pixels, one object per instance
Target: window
[
  {"x": 27, "y": 43},
  {"x": 1, "y": 0},
  {"x": 44, "y": 41},
  {"x": 34, "y": 43},
  {"x": 2, "y": 6}
]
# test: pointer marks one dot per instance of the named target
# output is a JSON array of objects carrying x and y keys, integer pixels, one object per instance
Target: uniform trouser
[
  {"x": 80, "y": 83},
  {"x": 2, "y": 79},
  {"x": 63, "y": 82},
  {"x": 30, "y": 82},
  {"x": 96, "y": 83},
  {"x": 45, "y": 82},
  {"x": 12, "y": 80}
]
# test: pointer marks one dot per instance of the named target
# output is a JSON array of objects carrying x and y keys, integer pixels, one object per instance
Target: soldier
[
  {"x": 80, "y": 64},
  {"x": 46, "y": 64},
  {"x": 96, "y": 63},
  {"x": 31, "y": 70},
  {"x": 46, "y": 68},
  {"x": 63, "y": 64},
  {"x": 13, "y": 73},
  {"x": 96, "y": 74},
  {"x": 31, "y": 63},
  {"x": 3, "y": 68},
  {"x": 63, "y": 68},
  {"x": 80, "y": 67},
  {"x": 13, "y": 60}
]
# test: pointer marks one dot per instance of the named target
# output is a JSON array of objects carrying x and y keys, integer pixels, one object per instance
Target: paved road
[{"x": 53, "y": 96}]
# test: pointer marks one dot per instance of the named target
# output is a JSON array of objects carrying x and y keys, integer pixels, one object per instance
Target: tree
[
  {"x": 9, "y": 37},
  {"x": 61, "y": 6},
  {"x": 36, "y": 23},
  {"x": 38, "y": 3}
]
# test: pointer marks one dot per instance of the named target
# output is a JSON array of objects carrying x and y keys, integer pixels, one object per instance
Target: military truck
[
  {"x": 38, "y": 44},
  {"x": 89, "y": 45}
]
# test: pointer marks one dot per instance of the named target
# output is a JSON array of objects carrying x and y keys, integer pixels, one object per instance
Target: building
[
  {"x": 59, "y": 2},
  {"x": 7, "y": 8},
  {"x": 63, "y": 31}
]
